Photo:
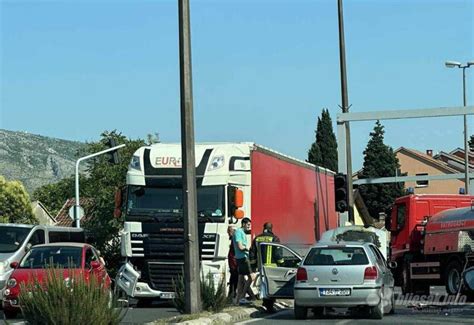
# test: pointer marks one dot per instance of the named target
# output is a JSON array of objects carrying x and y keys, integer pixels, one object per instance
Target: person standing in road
[
  {"x": 234, "y": 273},
  {"x": 271, "y": 256},
  {"x": 241, "y": 247}
]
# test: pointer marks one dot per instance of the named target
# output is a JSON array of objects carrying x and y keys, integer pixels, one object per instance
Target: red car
[{"x": 82, "y": 258}]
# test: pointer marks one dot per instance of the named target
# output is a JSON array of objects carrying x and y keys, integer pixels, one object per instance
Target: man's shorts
[{"x": 243, "y": 266}]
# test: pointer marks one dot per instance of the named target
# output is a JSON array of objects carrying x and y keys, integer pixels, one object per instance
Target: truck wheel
[
  {"x": 406, "y": 281},
  {"x": 301, "y": 312},
  {"x": 453, "y": 277}
]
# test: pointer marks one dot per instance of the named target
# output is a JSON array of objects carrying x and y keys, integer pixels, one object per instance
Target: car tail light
[
  {"x": 301, "y": 274},
  {"x": 370, "y": 273}
]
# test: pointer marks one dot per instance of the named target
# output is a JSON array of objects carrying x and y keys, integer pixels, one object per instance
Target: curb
[{"x": 233, "y": 316}]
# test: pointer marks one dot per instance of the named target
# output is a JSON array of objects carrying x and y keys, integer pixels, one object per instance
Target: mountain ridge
[{"x": 36, "y": 160}]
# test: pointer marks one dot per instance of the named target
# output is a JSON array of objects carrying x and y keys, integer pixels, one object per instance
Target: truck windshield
[
  {"x": 169, "y": 201},
  {"x": 11, "y": 238}
]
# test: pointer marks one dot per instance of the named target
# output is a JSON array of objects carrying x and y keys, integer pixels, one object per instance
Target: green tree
[
  {"x": 15, "y": 205},
  {"x": 99, "y": 182},
  {"x": 53, "y": 196},
  {"x": 323, "y": 151},
  {"x": 471, "y": 143},
  {"x": 379, "y": 161}
]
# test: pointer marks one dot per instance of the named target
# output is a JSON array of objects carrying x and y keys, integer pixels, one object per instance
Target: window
[
  {"x": 37, "y": 238},
  {"x": 401, "y": 215},
  {"x": 422, "y": 183},
  {"x": 90, "y": 256},
  {"x": 337, "y": 256},
  {"x": 11, "y": 238},
  {"x": 57, "y": 256},
  {"x": 277, "y": 256},
  {"x": 378, "y": 255},
  {"x": 66, "y": 236}
]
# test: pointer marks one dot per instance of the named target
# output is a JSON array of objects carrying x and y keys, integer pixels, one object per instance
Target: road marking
[{"x": 346, "y": 321}]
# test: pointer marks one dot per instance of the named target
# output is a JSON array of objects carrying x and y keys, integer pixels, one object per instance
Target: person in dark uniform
[
  {"x": 234, "y": 274},
  {"x": 271, "y": 256}
]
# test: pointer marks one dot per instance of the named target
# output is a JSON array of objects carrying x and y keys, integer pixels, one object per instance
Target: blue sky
[{"x": 262, "y": 70}]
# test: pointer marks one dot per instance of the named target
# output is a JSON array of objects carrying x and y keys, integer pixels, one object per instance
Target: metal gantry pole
[
  {"x": 345, "y": 109},
  {"x": 191, "y": 240}
]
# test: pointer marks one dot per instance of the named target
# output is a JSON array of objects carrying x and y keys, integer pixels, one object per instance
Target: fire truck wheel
[
  {"x": 406, "y": 281},
  {"x": 453, "y": 277}
]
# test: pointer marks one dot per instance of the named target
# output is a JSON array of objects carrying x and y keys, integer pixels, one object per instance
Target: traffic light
[
  {"x": 340, "y": 192},
  {"x": 113, "y": 155}
]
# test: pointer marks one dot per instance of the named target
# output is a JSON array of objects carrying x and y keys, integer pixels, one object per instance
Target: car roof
[
  {"x": 68, "y": 244},
  {"x": 342, "y": 244}
]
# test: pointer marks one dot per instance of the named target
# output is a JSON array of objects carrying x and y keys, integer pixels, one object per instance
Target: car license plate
[
  {"x": 334, "y": 292},
  {"x": 167, "y": 295}
]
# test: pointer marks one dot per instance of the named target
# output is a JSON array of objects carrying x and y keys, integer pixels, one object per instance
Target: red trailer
[{"x": 297, "y": 197}]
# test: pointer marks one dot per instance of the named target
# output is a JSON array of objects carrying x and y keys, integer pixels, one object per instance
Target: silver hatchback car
[
  {"x": 344, "y": 275},
  {"x": 350, "y": 275}
]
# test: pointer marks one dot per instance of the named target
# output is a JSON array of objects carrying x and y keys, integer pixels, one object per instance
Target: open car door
[
  {"x": 277, "y": 265},
  {"x": 127, "y": 279}
]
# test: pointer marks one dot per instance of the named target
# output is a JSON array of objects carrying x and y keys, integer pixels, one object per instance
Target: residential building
[{"x": 415, "y": 163}]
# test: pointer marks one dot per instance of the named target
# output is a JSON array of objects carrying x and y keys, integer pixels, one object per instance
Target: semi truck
[
  {"x": 234, "y": 180},
  {"x": 432, "y": 237}
]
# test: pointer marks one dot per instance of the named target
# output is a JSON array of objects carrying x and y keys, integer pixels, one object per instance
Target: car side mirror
[
  {"x": 468, "y": 277},
  {"x": 95, "y": 264},
  {"x": 392, "y": 265},
  {"x": 14, "y": 265},
  {"x": 28, "y": 247}
]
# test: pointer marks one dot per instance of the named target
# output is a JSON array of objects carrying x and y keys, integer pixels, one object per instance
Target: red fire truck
[{"x": 431, "y": 238}]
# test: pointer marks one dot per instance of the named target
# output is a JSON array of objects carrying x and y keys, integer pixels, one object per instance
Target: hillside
[{"x": 36, "y": 160}]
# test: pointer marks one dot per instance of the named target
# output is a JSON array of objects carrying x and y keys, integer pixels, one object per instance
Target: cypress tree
[
  {"x": 323, "y": 151},
  {"x": 379, "y": 161}
]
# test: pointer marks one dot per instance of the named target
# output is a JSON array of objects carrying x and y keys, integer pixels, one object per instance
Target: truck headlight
[
  {"x": 216, "y": 163},
  {"x": 135, "y": 163},
  {"x": 11, "y": 283}
]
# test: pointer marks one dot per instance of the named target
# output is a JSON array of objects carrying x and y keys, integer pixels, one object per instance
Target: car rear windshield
[
  {"x": 336, "y": 256},
  {"x": 57, "y": 256}
]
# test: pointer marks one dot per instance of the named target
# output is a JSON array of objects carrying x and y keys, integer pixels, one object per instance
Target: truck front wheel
[{"x": 453, "y": 277}]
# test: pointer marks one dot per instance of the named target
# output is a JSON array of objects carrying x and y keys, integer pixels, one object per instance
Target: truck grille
[
  {"x": 167, "y": 243},
  {"x": 161, "y": 275}
]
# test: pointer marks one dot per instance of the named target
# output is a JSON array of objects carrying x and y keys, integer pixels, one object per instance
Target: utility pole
[
  {"x": 345, "y": 109},
  {"x": 191, "y": 241}
]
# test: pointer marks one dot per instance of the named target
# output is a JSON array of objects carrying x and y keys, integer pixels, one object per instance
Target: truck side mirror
[{"x": 468, "y": 277}]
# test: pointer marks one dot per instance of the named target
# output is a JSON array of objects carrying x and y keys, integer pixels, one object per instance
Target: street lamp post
[
  {"x": 454, "y": 64},
  {"x": 77, "y": 206}
]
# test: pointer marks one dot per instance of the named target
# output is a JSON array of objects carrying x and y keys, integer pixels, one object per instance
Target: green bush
[
  {"x": 68, "y": 301},
  {"x": 212, "y": 298}
]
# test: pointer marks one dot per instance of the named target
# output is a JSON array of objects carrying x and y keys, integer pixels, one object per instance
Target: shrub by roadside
[
  {"x": 213, "y": 298},
  {"x": 68, "y": 301}
]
